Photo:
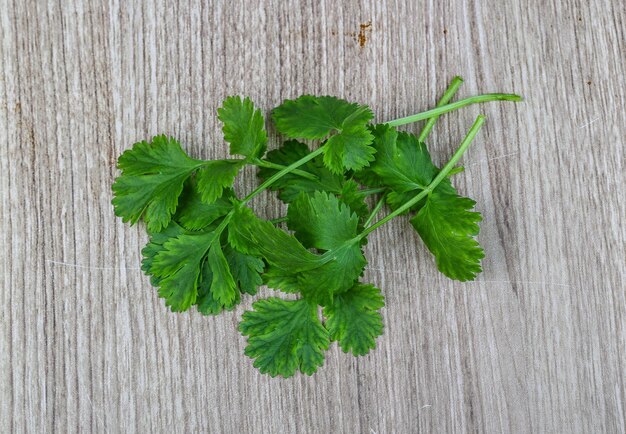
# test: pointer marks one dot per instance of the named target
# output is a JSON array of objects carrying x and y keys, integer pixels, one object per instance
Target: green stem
[
  {"x": 269, "y": 181},
  {"x": 446, "y": 97},
  {"x": 454, "y": 106},
  {"x": 376, "y": 209},
  {"x": 456, "y": 170},
  {"x": 270, "y": 165},
  {"x": 440, "y": 176}
]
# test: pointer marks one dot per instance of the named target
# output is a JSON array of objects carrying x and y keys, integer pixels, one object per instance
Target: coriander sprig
[{"x": 207, "y": 247}]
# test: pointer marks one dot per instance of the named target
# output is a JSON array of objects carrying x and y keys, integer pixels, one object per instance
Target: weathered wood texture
[{"x": 536, "y": 344}]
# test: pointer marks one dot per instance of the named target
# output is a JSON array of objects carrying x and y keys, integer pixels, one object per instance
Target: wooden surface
[{"x": 536, "y": 344}]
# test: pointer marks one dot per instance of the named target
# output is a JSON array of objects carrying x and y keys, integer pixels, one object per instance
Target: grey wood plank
[{"x": 536, "y": 344}]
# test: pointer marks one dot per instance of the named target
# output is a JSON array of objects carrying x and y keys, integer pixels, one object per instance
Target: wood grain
[{"x": 536, "y": 344}]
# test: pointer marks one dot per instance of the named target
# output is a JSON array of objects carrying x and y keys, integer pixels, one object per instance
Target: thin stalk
[
  {"x": 376, "y": 210},
  {"x": 454, "y": 106},
  {"x": 440, "y": 176},
  {"x": 445, "y": 98},
  {"x": 269, "y": 181},
  {"x": 270, "y": 165},
  {"x": 456, "y": 170}
]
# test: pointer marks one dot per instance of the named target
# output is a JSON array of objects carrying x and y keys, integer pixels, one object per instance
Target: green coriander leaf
[
  {"x": 320, "y": 220},
  {"x": 246, "y": 270},
  {"x": 384, "y": 142},
  {"x": 311, "y": 117},
  {"x": 244, "y": 127},
  {"x": 448, "y": 228},
  {"x": 403, "y": 164},
  {"x": 215, "y": 177},
  {"x": 194, "y": 214},
  {"x": 155, "y": 246},
  {"x": 334, "y": 276},
  {"x": 354, "y": 319},
  {"x": 291, "y": 185},
  {"x": 251, "y": 235},
  {"x": 152, "y": 178},
  {"x": 223, "y": 285},
  {"x": 277, "y": 278},
  {"x": 206, "y": 302},
  {"x": 284, "y": 336},
  {"x": 349, "y": 150},
  {"x": 178, "y": 267},
  {"x": 351, "y": 196}
]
